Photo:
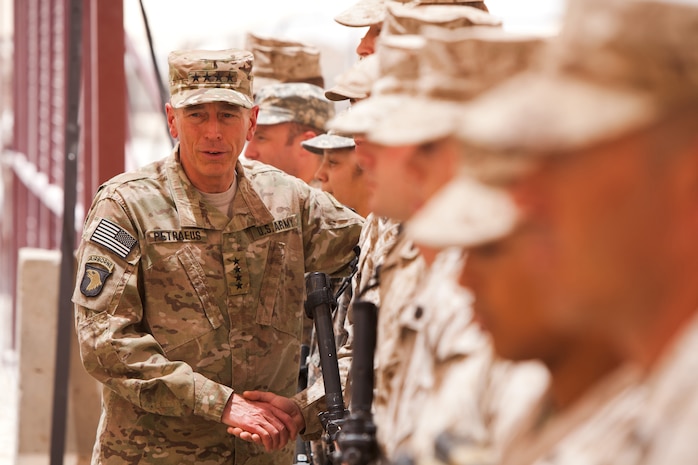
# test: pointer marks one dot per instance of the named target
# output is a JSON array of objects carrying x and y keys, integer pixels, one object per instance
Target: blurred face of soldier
[
  {"x": 341, "y": 176},
  {"x": 432, "y": 166},
  {"x": 388, "y": 178},
  {"x": 367, "y": 46},
  {"x": 211, "y": 137},
  {"x": 279, "y": 145},
  {"x": 508, "y": 278},
  {"x": 620, "y": 221}
]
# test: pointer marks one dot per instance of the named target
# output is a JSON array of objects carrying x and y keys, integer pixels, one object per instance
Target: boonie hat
[
  {"x": 363, "y": 13},
  {"x": 202, "y": 76},
  {"x": 397, "y": 58},
  {"x": 464, "y": 213},
  {"x": 617, "y": 66},
  {"x": 454, "y": 67},
  {"x": 356, "y": 82},
  {"x": 411, "y": 18}
]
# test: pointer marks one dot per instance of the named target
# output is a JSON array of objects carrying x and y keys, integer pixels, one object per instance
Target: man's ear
[
  {"x": 171, "y": 120},
  {"x": 307, "y": 135},
  {"x": 254, "y": 112}
]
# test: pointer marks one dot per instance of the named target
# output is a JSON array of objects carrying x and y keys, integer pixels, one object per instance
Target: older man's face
[{"x": 211, "y": 138}]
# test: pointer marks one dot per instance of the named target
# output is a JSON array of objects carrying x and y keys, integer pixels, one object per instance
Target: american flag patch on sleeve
[{"x": 113, "y": 238}]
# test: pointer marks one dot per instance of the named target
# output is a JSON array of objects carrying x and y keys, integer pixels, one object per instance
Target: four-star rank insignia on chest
[
  {"x": 237, "y": 273},
  {"x": 97, "y": 270}
]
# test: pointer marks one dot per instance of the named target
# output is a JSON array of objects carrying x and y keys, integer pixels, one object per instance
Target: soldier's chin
[{"x": 481, "y": 321}]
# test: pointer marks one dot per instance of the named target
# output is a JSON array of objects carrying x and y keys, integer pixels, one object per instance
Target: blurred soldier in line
[
  {"x": 372, "y": 13},
  {"x": 365, "y": 13},
  {"x": 601, "y": 156},
  {"x": 339, "y": 172},
  {"x": 340, "y": 176},
  {"x": 279, "y": 61},
  {"x": 289, "y": 114},
  {"x": 430, "y": 356}
]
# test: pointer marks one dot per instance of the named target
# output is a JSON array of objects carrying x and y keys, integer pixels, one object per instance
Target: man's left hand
[{"x": 283, "y": 403}]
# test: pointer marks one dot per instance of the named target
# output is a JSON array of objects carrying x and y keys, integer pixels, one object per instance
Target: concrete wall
[{"x": 37, "y": 300}]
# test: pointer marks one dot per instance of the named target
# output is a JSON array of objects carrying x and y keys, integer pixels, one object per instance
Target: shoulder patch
[
  {"x": 114, "y": 238},
  {"x": 97, "y": 270}
]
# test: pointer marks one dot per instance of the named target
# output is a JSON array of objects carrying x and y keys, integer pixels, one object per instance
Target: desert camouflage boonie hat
[
  {"x": 464, "y": 213},
  {"x": 411, "y": 18},
  {"x": 356, "y": 82},
  {"x": 363, "y": 13},
  {"x": 296, "y": 102},
  {"x": 454, "y": 67},
  {"x": 329, "y": 141},
  {"x": 397, "y": 72},
  {"x": 615, "y": 67},
  {"x": 202, "y": 76},
  {"x": 277, "y": 60}
]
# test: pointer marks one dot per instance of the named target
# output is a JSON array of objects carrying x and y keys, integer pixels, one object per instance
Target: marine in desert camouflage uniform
[
  {"x": 429, "y": 351},
  {"x": 190, "y": 284},
  {"x": 600, "y": 153}
]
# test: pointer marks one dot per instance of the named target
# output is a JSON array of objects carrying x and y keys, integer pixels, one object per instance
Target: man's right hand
[{"x": 261, "y": 421}]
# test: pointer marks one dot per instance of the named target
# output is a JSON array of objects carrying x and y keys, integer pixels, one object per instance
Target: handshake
[{"x": 264, "y": 418}]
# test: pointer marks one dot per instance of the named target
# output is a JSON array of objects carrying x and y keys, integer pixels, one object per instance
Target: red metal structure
[{"x": 34, "y": 203}]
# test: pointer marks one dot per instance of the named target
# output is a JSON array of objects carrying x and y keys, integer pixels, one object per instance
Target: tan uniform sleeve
[
  {"x": 115, "y": 345},
  {"x": 330, "y": 233}
]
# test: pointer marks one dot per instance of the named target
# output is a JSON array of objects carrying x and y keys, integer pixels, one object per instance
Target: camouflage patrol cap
[
  {"x": 202, "y": 76},
  {"x": 464, "y": 213},
  {"x": 296, "y": 102},
  {"x": 411, "y": 18},
  {"x": 277, "y": 60},
  {"x": 356, "y": 82},
  {"x": 616, "y": 67},
  {"x": 329, "y": 141},
  {"x": 454, "y": 67},
  {"x": 363, "y": 13},
  {"x": 397, "y": 73}
]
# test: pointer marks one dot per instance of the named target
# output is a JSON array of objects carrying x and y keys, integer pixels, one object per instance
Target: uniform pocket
[
  {"x": 180, "y": 307},
  {"x": 275, "y": 307}
]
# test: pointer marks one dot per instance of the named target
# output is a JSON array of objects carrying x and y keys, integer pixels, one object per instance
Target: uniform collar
[{"x": 248, "y": 208}]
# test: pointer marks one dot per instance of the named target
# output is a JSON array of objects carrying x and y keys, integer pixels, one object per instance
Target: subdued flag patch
[{"x": 113, "y": 238}]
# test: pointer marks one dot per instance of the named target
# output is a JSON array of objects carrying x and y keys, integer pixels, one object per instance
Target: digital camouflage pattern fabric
[
  {"x": 300, "y": 103},
  {"x": 277, "y": 60},
  {"x": 200, "y": 306}
]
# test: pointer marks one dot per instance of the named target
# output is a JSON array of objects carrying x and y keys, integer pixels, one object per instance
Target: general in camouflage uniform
[{"x": 182, "y": 303}]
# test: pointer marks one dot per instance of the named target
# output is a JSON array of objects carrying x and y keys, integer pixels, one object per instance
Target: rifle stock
[{"x": 357, "y": 438}]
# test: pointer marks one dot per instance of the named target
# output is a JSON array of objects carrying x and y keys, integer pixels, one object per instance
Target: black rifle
[
  {"x": 319, "y": 304},
  {"x": 357, "y": 438}
]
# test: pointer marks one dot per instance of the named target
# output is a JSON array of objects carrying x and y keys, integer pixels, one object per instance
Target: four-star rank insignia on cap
[{"x": 97, "y": 270}]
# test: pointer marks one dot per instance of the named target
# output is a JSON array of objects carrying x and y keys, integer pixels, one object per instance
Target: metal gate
[{"x": 32, "y": 211}]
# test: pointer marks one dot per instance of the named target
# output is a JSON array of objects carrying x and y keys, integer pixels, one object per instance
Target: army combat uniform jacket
[{"x": 178, "y": 306}]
